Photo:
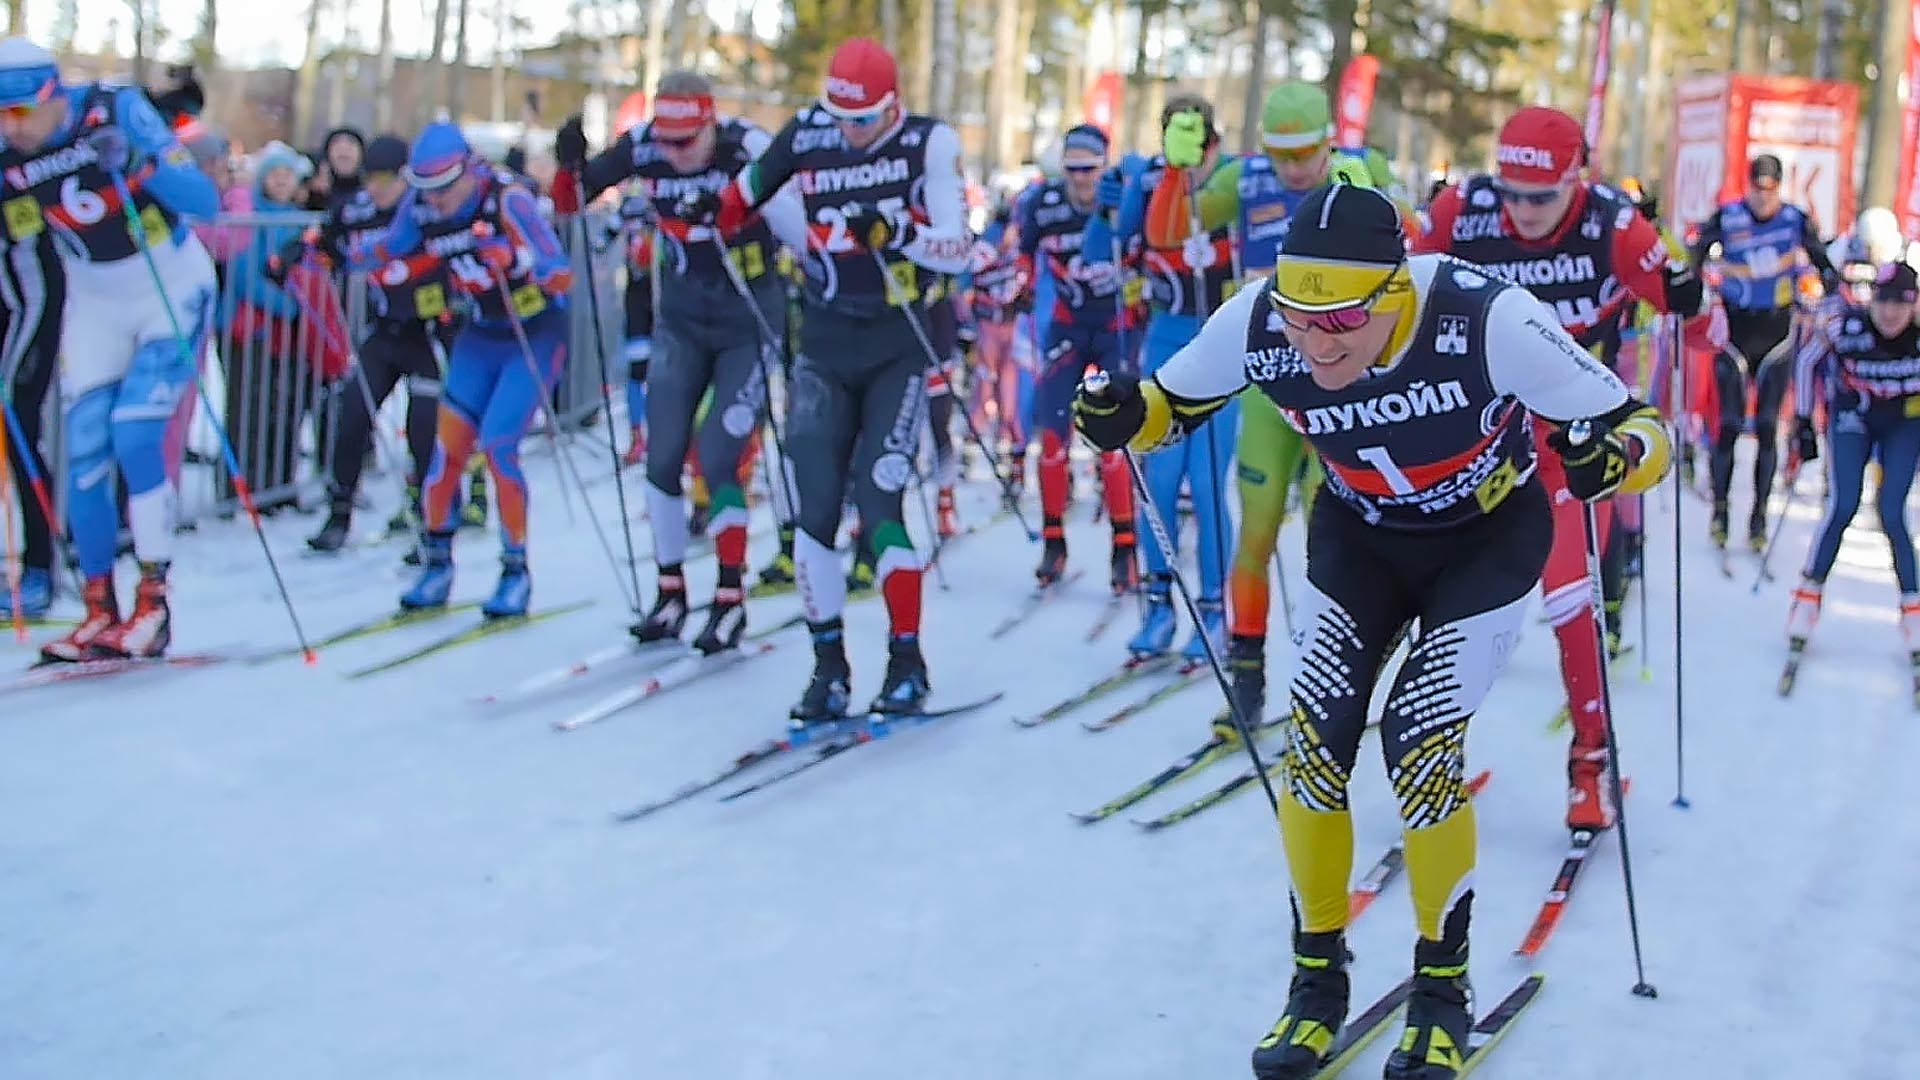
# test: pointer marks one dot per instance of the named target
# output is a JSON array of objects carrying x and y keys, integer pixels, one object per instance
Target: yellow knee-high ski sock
[
  {"x": 1440, "y": 868},
  {"x": 1319, "y": 847}
]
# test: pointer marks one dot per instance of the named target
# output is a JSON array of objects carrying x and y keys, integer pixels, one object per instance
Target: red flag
[
  {"x": 323, "y": 333},
  {"x": 1602, "y": 72},
  {"x": 1101, "y": 106},
  {"x": 1907, "y": 193},
  {"x": 1355, "y": 106}
]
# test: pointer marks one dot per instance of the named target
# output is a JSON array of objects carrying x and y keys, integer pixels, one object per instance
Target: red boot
[
  {"x": 149, "y": 630},
  {"x": 103, "y": 611},
  {"x": 636, "y": 447},
  {"x": 1589, "y": 792}
]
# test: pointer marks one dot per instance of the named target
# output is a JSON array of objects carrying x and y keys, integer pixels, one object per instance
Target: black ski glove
[
  {"x": 697, "y": 207},
  {"x": 1595, "y": 458},
  {"x": 570, "y": 145},
  {"x": 1109, "y": 410},
  {"x": 877, "y": 230},
  {"x": 1806, "y": 441}
]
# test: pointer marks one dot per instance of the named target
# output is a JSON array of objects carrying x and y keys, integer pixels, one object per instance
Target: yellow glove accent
[
  {"x": 1157, "y": 429},
  {"x": 1656, "y": 450}
]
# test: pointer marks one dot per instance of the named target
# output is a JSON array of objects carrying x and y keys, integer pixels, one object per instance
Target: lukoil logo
[
  {"x": 1530, "y": 156},
  {"x": 846, "y": 88}
]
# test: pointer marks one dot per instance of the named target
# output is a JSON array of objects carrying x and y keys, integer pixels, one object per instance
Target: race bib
[
  {"x": 529, "y": 301},
  {"x": 1764, "y": 262},
  {"x": 749, "y": 259}
]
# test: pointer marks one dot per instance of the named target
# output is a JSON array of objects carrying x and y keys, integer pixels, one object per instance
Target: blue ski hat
[
  {"x": 29, "y": 76},
  {"x": 438, "y": 158}
]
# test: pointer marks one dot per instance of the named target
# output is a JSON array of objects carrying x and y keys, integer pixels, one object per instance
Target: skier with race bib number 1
[{"x": 1430, "y": 511}]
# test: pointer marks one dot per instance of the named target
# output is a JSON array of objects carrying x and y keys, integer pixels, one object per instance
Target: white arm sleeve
[
  {"x": 1531, "y": 357},
  {"x": 785, "y": 213},
  {"x": 1213, "y": 364},
  {"x": 943, "y": 243}
]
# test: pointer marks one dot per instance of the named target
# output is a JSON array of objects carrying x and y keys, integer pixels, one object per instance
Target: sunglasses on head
[
  {"x": 1527, "y": 198},
  {"x": 1344, "y": 320}
]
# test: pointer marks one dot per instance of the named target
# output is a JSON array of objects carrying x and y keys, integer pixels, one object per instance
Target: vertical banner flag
[
  {"x": 1602, "y": 71},
  {"x": 1101, "y": 107},
  {"x": 1355, "y": 106}
]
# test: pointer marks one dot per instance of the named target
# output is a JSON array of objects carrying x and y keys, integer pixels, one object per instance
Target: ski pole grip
[
  {"x": 1579, "y": 433},
  {"x": 1096, "y": 383}
]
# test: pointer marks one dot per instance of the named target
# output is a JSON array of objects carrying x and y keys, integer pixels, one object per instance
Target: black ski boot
[
  {"x": 1434, "y": 1044},
  {"x": 409, "y": 517},
  {"x": 904, "y": 690},
  {"x": 1717, "y": 525},
  {"x": 829, "y": 694},
  {"x": 1247, "y": 665},
  {"x": 669, "y": 612},
  {"x": 473, "y": 513},
  {"x": 1757, "y": 530},
  {"x": 1053, "y": 557},
  {"x": 727, "y": 618},
  {"x": 333, "y": 535},
  {"x": 860, "y": 579},
  {"x": 1316, "y": 1008}
]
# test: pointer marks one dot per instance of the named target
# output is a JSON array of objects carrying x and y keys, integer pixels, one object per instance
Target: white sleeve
[
  {"x": 786, "y": 214},
  {"x": 1213, "y": 364},
  {"x": 943, "y": 244},
  {"x": 1531, "y": 357}
]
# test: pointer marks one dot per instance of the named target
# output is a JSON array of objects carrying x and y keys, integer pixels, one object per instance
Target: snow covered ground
[{"x": 253, "y": 871}]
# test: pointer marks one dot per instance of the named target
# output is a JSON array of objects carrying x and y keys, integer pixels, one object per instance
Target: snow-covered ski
[
  {"x": 856, "y": 733},
  {"x": 48, "y": 673},
  {"x": 649, "y": 652},
  {"x": 1109, "y": 612},
  {"x": 1797, "y": 651},
  {"x": 1390, "y": 864},
  {"x": 1194, "y": 761},
  {"x": 1913, "y": 667},
  {"x": 689, "y": 668},
  {"x": 766, "y": 751},
  {"x": 1243, "y": 782},
  {"x": 1494, "y": 1026},
  {"x": 1561, "y": 891},
  {"x": 393, "y": 620},
  {"x": 1184, "y": 676},
  {"x": 1034, "y": 601},
  {"x": 486, "y": 629},
  {"x": 1130, "y": 671}
]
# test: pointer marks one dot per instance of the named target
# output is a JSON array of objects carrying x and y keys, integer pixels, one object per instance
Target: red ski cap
[
  {"x": 681, "y": 117},
  {"x": 861, "y": 79},
  {"x": 1539, "y": 145}
]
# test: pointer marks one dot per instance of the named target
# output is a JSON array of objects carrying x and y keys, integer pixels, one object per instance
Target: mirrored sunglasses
[{"x": 1527, "y": 198}]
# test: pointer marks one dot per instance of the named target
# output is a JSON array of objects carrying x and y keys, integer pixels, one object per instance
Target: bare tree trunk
[
  {"x": 383, "y": 71},
  {"x": 1000, "y": 104},
  {"x": 501, "y": 31},
  {"x": 657, "y": 17},
  {"x": 1826, "y": 60},
  {"x": 1137, "y": 79},
  {"x": 457, "y": 71},
  {"x": 431, "y": 74},
  {"x": 17, "y": 17},
  {"x": 205, "y": 48},
  {"x": 920, "y": 64},
  {"x": 1883, "y": 145},
  {"x": 140, "y": 14},
  {"x": 1018, "y": 135},
  {"x": 306, "y": 83},
  {"x": 943, "y": 57},
  {"x": 890, "y": 25},
  {"x": 676, "y": 55},
  {"x": 1256, "y": 77}
]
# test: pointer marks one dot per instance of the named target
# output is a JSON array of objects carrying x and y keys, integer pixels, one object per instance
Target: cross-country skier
[
  {"x": 412, "y": 322},
  {"x": 1084, "y": 329},
  {"x": 1586, "y": 252},
  {"x": 1416, "y": 379},
  {"x": 702, "y": 342},
  {"x": 999, "y": 297},
  {"x": 883, "y": 193},
  {"x": 32, "y": 293},
  {"x": 1760, "y": 238},
  {"x": 127, "y": 375},
  {"x": 1867, "y": 360},
  {"x": 498, "y": 250}
]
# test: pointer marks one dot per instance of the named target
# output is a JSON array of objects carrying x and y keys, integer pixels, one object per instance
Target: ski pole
[
  {"x": 14, "y": 567},
  {"x": 1096, "y": 383},
  {"x": 1779, "y": 526},
  {"x": 563, "y": 462},
  {"x": 768, "y": 342},
  {"x": 380, "y": 438},
  {"x": 1646, "y": 642},
  {"x": 37, "y": 480},
  {"x": 241, "y": 488},
  {"x": 1007, "y": 492},
  {"x": 1679, "y": 373},
  {"x": 1579, "y": 433},
  {"x": 606, "y": 389}
]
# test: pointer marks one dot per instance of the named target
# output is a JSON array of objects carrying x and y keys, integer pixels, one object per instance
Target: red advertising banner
[
  {"x": 1101, "y": 106},
  {"x": 1721, "y": 122},
  {"x": 1906, "y": 199},
  {"x": 1355, "y": 105},
  {"x": 1602, "y": 71}
]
